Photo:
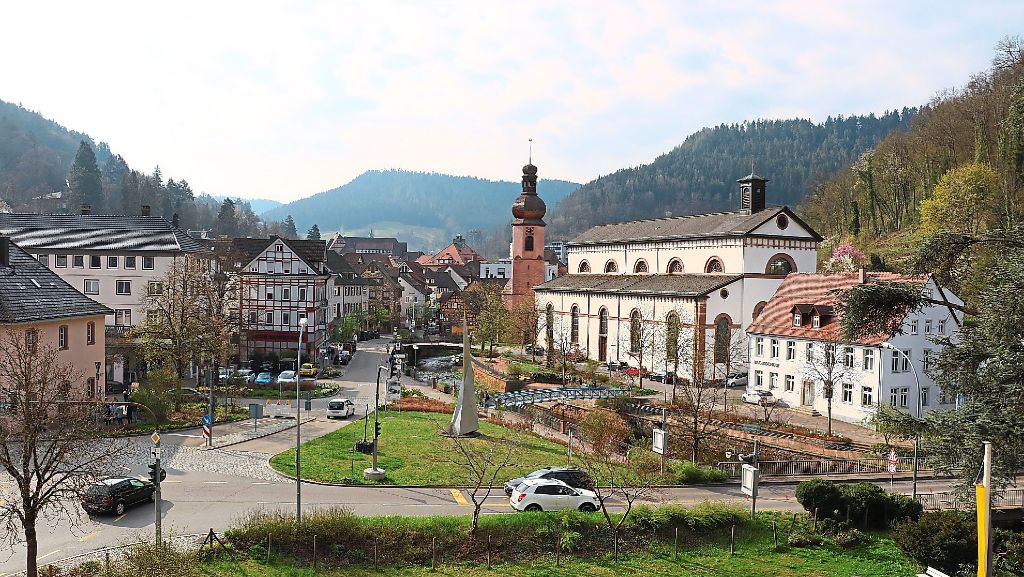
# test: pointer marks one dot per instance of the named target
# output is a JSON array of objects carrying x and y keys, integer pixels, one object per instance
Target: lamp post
[
  {"x": 917, "y": 432},
  {"x": 298, "y": 425}
]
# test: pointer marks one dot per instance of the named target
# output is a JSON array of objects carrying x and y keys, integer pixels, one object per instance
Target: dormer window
[
  {"x": 816, "y": 321},
  {"x": 797, "y": 319},
  {"x": 279, "y": 248}
]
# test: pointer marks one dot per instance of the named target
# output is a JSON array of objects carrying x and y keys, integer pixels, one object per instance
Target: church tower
[{"x": 527, "y": 241}]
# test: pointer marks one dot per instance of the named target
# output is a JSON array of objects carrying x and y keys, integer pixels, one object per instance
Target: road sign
[
  {"x": 206, "y": 432},
  {"x": 894, "y": 461},
  {"x": 207, "y": 420},
  {"x": 748, "y": 480},
  {"x": 155, "y": 436},
  {"x": 659, "y": 441}
]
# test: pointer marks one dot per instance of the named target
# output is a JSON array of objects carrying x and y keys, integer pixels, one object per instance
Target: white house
[
  {"x": 503, "y": 270},
  {"x": 112, "y": 259},
  {"x": 797, "y": 341},
  {"x": 702, "y": 278}
]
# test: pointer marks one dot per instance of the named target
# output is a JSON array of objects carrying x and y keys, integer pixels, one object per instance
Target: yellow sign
[
  {"x": 981, "y": 500},
  {"x": 156, "y": 437}
]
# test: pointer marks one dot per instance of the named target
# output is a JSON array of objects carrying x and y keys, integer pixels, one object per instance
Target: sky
[{"x": 282, "y": 100}]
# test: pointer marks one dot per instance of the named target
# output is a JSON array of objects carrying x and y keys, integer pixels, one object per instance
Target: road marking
[
  {"x": 119, "y": 518},
  {"x": 263, "y": 483},
  {"x": 215, "y": 482},
  {"x": 48, "y": 554},
  {"x": 84, "y": 538},
  {"x": 459, "y": 498}
]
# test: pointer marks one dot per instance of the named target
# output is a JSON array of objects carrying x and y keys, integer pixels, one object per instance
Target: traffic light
[
  {"x": 155, "y": 475},
  {"x": 376, "y": 430}
]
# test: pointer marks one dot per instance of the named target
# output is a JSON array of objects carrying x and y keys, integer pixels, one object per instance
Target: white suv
[{"x": 551, "y": 495}]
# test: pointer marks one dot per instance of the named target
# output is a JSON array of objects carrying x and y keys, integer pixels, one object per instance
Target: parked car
[
  {"x": 759, "y": 397},
  {"x": 264, "y": 378},
  {"x": 534, "y": 350},
  {"x": 736, "y": 380},
  {"x": 116, "y": 494},
  {"x": 340, "y": 408},
  {"x": 636, "y": 371},
  {"x": 242, "y": 377},
  {"x": 115, "y": 388},
  {"x": 569, "y": 475},
  {"x": 286, "y": 377},
  {"x": 308, "y": 370},
  {"x": 551, "y": 495},
  {"x": 344, "y": 357},
  {"x": 189, "y": 395},
  {"x": 656, "y": 376}
]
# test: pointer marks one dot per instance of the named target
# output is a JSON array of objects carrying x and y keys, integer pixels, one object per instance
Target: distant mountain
[
  {"x": 424, "y": 209},
  {"x": 700, "y": 174},
  {"x": 259, "y": 205}
]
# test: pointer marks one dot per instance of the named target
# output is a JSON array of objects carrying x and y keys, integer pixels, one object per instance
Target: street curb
[{"x": 233, "y": 443}]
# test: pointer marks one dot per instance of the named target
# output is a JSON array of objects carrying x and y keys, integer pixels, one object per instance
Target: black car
[
  {"x": 116, "y": 494},
  {"x": 571, "y": 476},
  {"x": 534, "y": 349}
]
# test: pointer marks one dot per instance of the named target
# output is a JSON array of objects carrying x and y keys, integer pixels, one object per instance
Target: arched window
[
  {"x": 549, "y": 326},
  {"x": 602, "y": 335},
  {"x": 529, "y": 243},
  {"x": 635, "y": 328},
  {"x": 610, "y": 266},
  {"x": 584, "y": 266},
  {"x": 714, "y": 264},
  {"x": 780, "y": 265},
  {"x": 758, "y": 308},
  {"x": 723, "y": 338},
  {"x": 574, "y": 335},
  {"x": 675, "y": 266},
  {"x": 672, "y": 338},
  {"x": 640, "y": 267}
]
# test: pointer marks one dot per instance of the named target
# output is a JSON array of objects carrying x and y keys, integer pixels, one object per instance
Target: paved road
[{"x": 212, "y": 489}]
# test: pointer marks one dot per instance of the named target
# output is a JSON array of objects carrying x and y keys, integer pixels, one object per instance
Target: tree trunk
[
  {"x": 830, "y": 416},
  {"x": 476, "y": 518},
  {"x": 31, "y": 548}
]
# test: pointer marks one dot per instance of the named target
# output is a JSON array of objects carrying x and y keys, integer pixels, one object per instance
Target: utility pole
[{"x": 983, "y": 496}]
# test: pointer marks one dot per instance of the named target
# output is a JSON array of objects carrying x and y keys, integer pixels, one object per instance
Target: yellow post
[{"x": 981, "y": 501}]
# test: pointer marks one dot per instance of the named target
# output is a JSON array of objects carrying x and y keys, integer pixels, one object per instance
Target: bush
[
  {"x": 945, "y": 540},
  {"x": 549, "y": 378},
  {"x": 849, "y": 538},
  {"x": 803, "y": 538},
  {"x": 690, "y": 473},
  {"x": 819, "y": 494}
]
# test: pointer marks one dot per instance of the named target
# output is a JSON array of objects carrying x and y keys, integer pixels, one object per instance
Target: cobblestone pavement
[{"x": 197, "y": 459}]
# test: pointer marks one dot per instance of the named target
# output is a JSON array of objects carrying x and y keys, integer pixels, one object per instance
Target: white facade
[
  {"x": 866, "y": 375},
  {"x": 503, "y": 269},
  {"x": 346, "y": 299}
]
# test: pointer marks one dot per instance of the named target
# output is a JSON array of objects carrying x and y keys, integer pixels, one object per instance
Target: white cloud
[{"x": 281, "y": 100}]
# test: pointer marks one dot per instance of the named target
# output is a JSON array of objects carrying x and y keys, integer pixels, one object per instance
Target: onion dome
[{"x": 529, "y": 207}]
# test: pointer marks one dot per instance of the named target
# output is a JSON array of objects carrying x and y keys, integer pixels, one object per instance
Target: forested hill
[
  {"x": 700, "y": 174},
  {"x": 425, "y": 209}
]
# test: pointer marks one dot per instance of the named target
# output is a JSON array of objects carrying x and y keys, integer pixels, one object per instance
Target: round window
[
  {"x": 724, "y": 293},
  {"x": 783, "y": 221}
]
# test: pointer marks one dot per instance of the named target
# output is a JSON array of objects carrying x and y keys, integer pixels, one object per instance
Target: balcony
[{"x": 117, "y": 331}]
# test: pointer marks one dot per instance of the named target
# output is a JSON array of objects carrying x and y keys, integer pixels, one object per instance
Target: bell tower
[{"x": 527, "y": 240}]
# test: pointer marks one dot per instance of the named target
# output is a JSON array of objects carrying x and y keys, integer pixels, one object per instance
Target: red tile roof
[{"x": 820, "y": 291}]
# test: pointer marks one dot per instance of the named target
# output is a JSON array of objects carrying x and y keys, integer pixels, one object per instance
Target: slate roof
[
  {"x": 22, "y": 301},
  {"x": 95, "y": 232},
  {"x": 655, "y": 284},
  {"x": 311, "y": 251},
  {"x": 712, "y": 225},
  {"x": 807, "y": 291}
]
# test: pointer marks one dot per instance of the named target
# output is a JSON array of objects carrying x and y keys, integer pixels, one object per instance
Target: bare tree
[
  {"x": 49, "y": 447},
  {"x": 831, "y": 363},
  {"x": 605, "y": 436},
  {"x": 480, "y": 460},
  {"x": 699, "y": 397}
]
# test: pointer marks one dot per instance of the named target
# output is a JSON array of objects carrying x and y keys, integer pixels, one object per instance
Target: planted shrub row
[{"x": 862, "y": 503}]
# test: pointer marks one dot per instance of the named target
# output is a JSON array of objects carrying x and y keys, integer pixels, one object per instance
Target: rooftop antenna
[{"x": 530, "y": 161}]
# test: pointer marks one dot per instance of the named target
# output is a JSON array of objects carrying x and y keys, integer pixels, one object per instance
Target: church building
[
  {"x": 528, "y": 264},
  {"x": 672, "y": 294}
]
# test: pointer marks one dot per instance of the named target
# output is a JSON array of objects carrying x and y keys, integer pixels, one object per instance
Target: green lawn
[
  {"x": 411, "y": 451},
  {"x": 755, "y": 557}
]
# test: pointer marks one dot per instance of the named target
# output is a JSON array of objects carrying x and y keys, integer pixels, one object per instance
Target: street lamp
[
  {"x": 298, "y": 424},
  {"x": 917, "y": 425}
]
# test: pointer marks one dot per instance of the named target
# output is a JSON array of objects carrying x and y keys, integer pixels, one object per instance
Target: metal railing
[
  {"x": 534, "y": 396},
  {"x": 1005, "y": 499},
  {"x": 116, "y": 331},
  {"x": 824, "y": 467}
]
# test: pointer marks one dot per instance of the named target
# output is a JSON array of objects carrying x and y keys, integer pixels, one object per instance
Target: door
[
  {"x": 807, "y": 394},
  {"x": 137, "y": 492},
  {"x": 547, "y": 496}
]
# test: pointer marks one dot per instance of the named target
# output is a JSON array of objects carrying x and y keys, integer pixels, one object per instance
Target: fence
[
  {"x": 533, "y": 396},
  {"x": 1005, "y": 499},
  {"x": 811, "y": 467}
]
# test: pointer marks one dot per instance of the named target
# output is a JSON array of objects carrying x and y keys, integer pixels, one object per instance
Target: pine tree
[
  {"x": 289, "y": 228},
  {"x": 314, "y": 233},
  {"x": 84, "y": 178},
  {"x": 227, "y": 220}
]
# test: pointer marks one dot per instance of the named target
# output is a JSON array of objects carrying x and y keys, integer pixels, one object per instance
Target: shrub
[
  {"x": 865, "y": 498},
  {"x": 803, "y": 538},
  {"x": 945, "y": 540},
  {"x": 422, "y": 404},
  {"x": 690, "y": 473},
  {"x": 819, "y": 494},
  {"x": 849, "y": 538}
]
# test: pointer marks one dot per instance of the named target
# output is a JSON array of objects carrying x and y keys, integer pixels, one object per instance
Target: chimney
[
  {"x": 146, "y": 210},
  {"x": 174, "y": 220},
  {"x": 752, "y": 193},
  {"x": 5, "y": 251},
  {"x": 86, "y": 209}
]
